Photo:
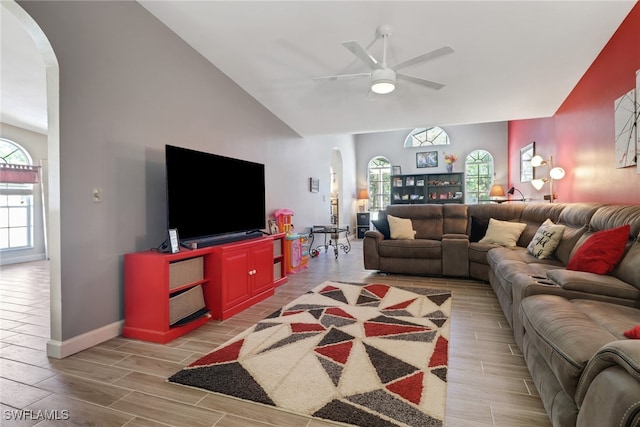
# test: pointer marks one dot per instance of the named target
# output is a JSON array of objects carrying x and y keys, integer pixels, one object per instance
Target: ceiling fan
[{"x": 384, "y": 77}]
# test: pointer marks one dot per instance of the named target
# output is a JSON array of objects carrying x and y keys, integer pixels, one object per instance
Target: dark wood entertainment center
[{"x": 216, "y": 282}]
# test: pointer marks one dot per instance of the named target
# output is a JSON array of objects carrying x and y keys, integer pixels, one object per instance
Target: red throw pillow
[
  {"x": 601, "y": 252},
  {"x": 633, "y": 333}
]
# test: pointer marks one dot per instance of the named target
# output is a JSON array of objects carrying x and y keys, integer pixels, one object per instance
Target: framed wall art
[
  {"x": 314, "y": 185},
  {"x": 427, "y": 159},
  {"x": 625, "y": 128}
]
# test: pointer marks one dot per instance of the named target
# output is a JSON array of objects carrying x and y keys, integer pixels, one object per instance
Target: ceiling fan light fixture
[{"x": 383, "y": 81}]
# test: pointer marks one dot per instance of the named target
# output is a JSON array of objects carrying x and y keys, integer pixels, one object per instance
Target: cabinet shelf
[{"x": 445, "y": 187}]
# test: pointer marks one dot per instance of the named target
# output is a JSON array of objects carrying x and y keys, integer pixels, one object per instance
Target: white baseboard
[
  {"x": 62, "y": 349},
  {"x": 20, "y": 259}
]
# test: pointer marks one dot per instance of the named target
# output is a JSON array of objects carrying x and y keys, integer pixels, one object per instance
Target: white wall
[
  {"x": 36, "y": 145},
  {"x": 464, "y": 139},
  {"x": 128, "y": 86}
]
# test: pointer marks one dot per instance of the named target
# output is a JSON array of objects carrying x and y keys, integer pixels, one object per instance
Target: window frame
[
  {"x": 15, "y": 197},
  {"x": 477, "y": 184},
  {"x": 379, "y": 189}
]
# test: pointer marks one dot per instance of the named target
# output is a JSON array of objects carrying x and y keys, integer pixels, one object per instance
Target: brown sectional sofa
[{"x": 568, "y": 324}]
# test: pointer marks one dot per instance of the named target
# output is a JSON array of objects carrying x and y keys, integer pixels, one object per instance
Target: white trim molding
[{"x": 62, "y": 349}]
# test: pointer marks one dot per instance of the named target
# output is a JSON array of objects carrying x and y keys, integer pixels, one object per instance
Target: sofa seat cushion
[
  {"x": 614, "y": 318},
  {"x": 564, "y": 335},
  {"x": 496, "y": 255},
  {"x": 417, "y": 248},
  {"x": 593, "y": 283}
]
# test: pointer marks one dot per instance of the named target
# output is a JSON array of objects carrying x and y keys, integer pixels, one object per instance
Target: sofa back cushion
[
  {"x": 534, "y": 215},
  {"x": 613, "y": 216},
  {"x": 455, "y": 218},
  {"x": 575, "y": 217},
  {"x": 627, "y": 270},
  {"x": 427, "y": 220}
]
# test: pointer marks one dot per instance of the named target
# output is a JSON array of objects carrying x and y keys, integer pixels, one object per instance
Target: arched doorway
[{"x": 53, "y": 176}]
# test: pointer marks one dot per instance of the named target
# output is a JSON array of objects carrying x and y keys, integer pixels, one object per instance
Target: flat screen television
[{"x": 211, "y": 196}]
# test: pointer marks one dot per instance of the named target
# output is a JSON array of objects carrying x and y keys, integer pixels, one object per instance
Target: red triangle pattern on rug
[
  {"x": 344, "y": 352},
  {"x": 380, "y": 329},
  {"x": 337, "y": 352},
  {"x": 440, "y": 353},
  {"x": 409, "y": 388}
]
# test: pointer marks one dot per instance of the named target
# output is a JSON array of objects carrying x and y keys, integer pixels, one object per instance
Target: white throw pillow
[
  {"x": 546, "y": 240},
  {"x": 401, "y": 228},
  {"x": 503, "y": 233}
]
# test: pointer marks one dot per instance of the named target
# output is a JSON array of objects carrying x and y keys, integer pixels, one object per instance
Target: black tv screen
[{"x": 211, "y": 195}]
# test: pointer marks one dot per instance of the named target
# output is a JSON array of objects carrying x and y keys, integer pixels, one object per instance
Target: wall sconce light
[
  {"x": 364, "y": 196},
  {"x": 555, "y": 173}
]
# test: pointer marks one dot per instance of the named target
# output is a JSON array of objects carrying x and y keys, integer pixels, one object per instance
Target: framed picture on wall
[
  {"x": 396, "y": 170},
  {"x": 526, "y": 170},
  {"x": 314, "y": 185},
  {"x": 427, "y": 159}
]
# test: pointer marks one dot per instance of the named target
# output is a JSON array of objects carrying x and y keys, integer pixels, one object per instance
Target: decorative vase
[{"x": 449, "y": 167}]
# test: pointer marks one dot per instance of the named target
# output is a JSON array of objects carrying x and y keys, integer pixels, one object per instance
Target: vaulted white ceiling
[{"x": 512, "y": 60}]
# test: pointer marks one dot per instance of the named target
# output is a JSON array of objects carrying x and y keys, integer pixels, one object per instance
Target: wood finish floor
[{"x": 122, "y": 382}]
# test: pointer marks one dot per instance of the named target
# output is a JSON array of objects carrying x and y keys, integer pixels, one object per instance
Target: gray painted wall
[
  {"x": 128, "y": 86},
  {"x": 464, "y": 139}
]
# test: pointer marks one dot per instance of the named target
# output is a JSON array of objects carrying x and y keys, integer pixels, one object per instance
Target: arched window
[
  {"x": 379, "y": 170},
  {"x": 16, "y": 196},
  {"x": 423, "y": 137},
  {"x": 479, "y": 176}
]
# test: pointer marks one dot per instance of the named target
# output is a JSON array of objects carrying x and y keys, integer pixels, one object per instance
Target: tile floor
[{"x": 122, "y": 382}]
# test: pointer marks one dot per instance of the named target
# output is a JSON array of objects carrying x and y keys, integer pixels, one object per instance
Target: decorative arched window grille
[{"x": 424, "y": 137}]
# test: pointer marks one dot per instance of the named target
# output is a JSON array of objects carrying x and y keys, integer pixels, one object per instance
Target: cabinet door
[
  {"x": 262, "y": 265},
  {"x": 235, "y": 277}
]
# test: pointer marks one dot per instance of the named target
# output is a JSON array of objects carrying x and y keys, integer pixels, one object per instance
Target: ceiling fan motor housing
[{"x": 383, "y": 80}]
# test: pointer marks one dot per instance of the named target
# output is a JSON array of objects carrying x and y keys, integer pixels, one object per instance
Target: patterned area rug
[{"x": 368, "y": 355}]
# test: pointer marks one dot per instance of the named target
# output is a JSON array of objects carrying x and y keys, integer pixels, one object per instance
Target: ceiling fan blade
[
  {"x": 425, "y": 57},
  {"x": 342, "y": 76},
  {"x": 362, "y": 54},
  {"x": 423, "y": 82}
]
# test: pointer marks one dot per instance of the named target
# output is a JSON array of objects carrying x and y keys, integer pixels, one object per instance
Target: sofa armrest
[
  {"x": 374, "y": 234},
  {"x": 455, "y": 255},
  {"x": 370, "y": 249},
  {"x": 623, "y": 353},
  {"x": 608, "y": 392},
  {"x": 592, "y": 283}
]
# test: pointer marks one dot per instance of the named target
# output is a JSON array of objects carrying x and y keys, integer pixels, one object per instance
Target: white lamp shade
[
  {"x": 538, "y": 183},
  {"x": 556, "y": 173},
  {"x": 537, "y": 161}
]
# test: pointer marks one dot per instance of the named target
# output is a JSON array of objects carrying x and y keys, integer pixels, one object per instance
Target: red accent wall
[{"x": 580, "y": 136}]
